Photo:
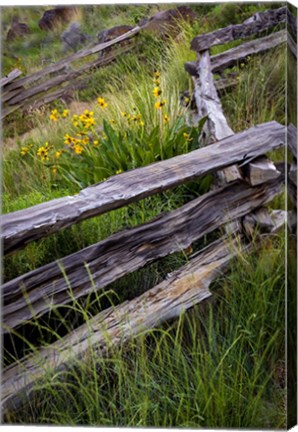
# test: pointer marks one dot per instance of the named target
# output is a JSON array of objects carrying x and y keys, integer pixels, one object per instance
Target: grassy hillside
[{"x": 220, "y": 365}]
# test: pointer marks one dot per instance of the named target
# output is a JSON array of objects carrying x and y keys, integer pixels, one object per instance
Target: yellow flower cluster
[
  {"x": 43, "y": 151},
  {"x": 84, "y": 121},
  {"x": 133, "y": 118},
  {"x": 76, "y": 144},
  {"x": 54, "y": 116},
  {"x": 156, "y": 93},
  {"x": 25, "y": 150}
]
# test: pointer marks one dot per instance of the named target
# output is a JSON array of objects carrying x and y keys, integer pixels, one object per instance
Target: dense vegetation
[{"x": 221, "y": 364}]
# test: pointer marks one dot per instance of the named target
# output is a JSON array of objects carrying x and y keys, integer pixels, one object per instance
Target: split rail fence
[
  {"x": 246, "y": 181},
  {"x": 63, "y": 77}
]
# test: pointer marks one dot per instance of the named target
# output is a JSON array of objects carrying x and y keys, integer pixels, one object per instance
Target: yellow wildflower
[
  {"x": 24, "y": 151},
  {"x": 88, "y": 114},
  {"x": 187, "y": 136},
  {"x": 85, "y": 140},
  {"x": 186, "y": 100},
  {"x": 54, "y": 115},
  {"x": 112, "y": 122},
  {"x": 67, "y": 139},
  {"x": 47, "y": 146},
  {"x": 156, "y": 74},
  {"x": 65, "y": 113},
  {"x": 159, "y": 105},
  {"x": 119, "y": 171},
  {"x": 136, "y": 117},
  {"x": 58, "y": 154},
  {"x": 54, "y": 169},
  {"x": 156, "y": 81},
  {"x": 95, "y": 143},
  {"x": 124, "y": 114},
  {"x": 102, "y": 102},
  {"x": 156, "y": 92},
  {"x": 78, "y": 149},
  {"x": 166, "y": 119},
  {"x": 42, "y": 152},
  {"x": 142, "y": 123}
]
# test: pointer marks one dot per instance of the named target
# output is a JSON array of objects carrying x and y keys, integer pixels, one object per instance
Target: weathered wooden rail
[
  {"x": 21, "y": 227},
  {"x": 24, "y": 93},
  {"x": 248, "y": 182},
  {"x": 17, "y": 94}
]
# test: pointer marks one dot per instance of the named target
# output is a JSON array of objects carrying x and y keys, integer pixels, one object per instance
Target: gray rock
[{"x": 73, "y": 38}]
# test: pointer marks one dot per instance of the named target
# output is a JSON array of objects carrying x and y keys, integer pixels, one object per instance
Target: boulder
[
  {"x": 113, "y": 33},
  {"x": 17, "y": 29},
  {"x": 166, "y": 23},
  {"x": 73, "y": 37},
  {"x": 59, "y": 15}
]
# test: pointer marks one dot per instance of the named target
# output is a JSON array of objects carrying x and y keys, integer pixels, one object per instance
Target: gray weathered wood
[
  {"x": 231, "y": 57},
  {"x": 9, "y": 110},
  {"x": 21, "y": 227},
  {"x": 293, "y": 173},
  {"x": 15, "y": 73},
  {"x": 260, "y": 170},
  {"x": 36, "y": 292},
  {"x": 61, "y": 93},
  {"x": 291, "y": 131},
  {"x": 264, "y": 221},
  {"x": 64, "y": 77},
  {"x": 6, "y": 96},
  {"x": 222, "y": 85},
  {"x": 114, "y": 326},
  {"x": 85, "y": 52},
  {"x": 257, "y": 23},
  {"x": 208, "y": 103},
  {"x": 292, "y": 220}
]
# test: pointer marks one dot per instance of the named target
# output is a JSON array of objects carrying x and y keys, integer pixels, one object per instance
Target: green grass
[
  {"x": 214, "y": 367},
  {"x": 217, "y": 365}
]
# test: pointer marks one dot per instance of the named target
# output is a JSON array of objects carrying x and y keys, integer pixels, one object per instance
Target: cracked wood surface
[
  {"x": 112, "y": 327},
  {"x": 208, "y": 104},
  {"x": 11, "y": 76},
  {"x": 35, "y": 293},
  {"x": 260, "y": 170},
  {"x": 24, "y": 226},
  {"x": 255, "y": 24}
]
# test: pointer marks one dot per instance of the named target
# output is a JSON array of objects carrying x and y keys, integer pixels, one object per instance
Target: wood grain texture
[
  {"x": 293, "y": 173},
  {"x": 257, "y": 23},
  {"x": 112, "y": 327},
  {"x": 36, "y": 292},
  {"x": 260, "y": 170},
  {"x": 231, "y": 57},
  {"x": 24, "y": 226},
  {"x": 264, "y": 221},
  {"x": 11, "y": 76},
  {"x": 208, "y": 104}
]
